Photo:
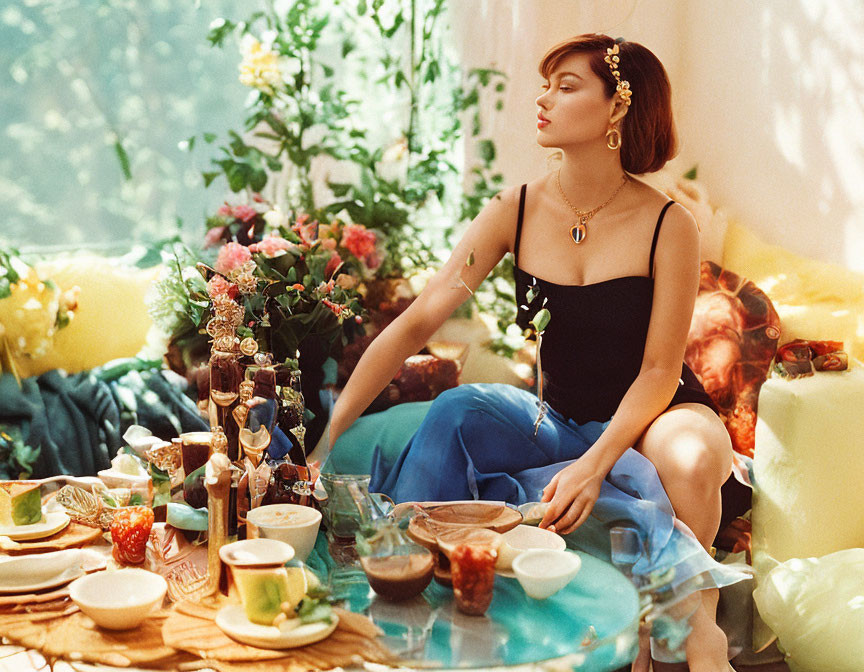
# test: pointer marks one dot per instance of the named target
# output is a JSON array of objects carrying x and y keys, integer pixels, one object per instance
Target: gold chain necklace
[{"x": 579, "y": 231}]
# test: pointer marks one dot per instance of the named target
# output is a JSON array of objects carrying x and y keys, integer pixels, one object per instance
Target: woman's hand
[{"x": 571, "y": 494}]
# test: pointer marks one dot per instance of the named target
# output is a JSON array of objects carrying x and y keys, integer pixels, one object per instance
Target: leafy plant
[{"x": 314, "y": 91}]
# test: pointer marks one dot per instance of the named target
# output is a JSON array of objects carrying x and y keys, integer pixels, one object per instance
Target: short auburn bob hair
[{"x": 648, "y": 138}]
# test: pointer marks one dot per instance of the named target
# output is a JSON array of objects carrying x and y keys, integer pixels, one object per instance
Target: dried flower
[{"x": 219, "y": 285}]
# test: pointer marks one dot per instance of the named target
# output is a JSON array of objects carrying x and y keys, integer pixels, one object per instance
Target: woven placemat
[
  {"x": 184, "y": 636},
  {"x": 192, "y": 628}
]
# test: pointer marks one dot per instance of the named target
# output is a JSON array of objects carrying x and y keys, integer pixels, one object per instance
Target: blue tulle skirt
[{"x": 477, "y": 442}]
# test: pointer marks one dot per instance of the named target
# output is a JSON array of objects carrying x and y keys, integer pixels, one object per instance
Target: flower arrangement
[{"x": 296, "y": 279}]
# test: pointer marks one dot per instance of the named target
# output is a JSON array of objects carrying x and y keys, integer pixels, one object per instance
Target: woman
[{"x": 617, "y": 266}]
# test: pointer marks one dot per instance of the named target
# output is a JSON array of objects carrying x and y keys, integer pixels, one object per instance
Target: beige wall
[{"x": 768, "y": 97}]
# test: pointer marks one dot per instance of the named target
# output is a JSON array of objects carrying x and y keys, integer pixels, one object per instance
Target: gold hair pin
[{"x": 614, "y": 62}]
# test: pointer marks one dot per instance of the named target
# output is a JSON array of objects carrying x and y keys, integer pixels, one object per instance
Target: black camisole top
[{"x": 593, "y": 346}]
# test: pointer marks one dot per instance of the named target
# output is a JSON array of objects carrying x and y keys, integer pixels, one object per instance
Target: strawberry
[{"x": 129, "y": 532}]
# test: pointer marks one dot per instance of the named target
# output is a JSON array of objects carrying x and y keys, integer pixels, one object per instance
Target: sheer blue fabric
[{"x": 477, "y": 442}]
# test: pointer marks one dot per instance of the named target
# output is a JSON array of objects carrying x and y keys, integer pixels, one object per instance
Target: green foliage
[
  {"x": 403, "y": 59},
  {"x": 17, "y": 459}
]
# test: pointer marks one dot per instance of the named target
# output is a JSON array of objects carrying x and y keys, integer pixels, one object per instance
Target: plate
[
  {"x": 233, "y": 622},
  {"x": 28, "y": 574},
  {"x": 493, "y": 516},
  {"x": 53, "y": 523}
]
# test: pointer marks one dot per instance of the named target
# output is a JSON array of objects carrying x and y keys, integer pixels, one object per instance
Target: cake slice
[{"x": 20, "y": 503}]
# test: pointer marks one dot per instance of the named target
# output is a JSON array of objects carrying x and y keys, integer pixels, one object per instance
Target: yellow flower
[{"x": 260, "y": 66}]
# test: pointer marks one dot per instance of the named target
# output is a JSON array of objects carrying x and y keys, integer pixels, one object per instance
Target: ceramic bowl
[
  {"x": 522, "y": 538},
  {"x": 292, "y": 523},
  {"x": 543, "y": 572},
  {"x": 256, "y": 553},
  {"x": 118, "y": 600}
]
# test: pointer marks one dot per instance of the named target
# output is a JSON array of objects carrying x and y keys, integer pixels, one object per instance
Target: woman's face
[{"x": 575, "y": 103}]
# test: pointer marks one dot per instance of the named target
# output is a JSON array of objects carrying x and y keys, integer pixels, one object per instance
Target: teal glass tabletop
[{"x": 591, "y": 624}]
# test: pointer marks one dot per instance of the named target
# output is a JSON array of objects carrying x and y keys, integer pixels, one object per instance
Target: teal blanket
[{"x": 76, "y": 422}]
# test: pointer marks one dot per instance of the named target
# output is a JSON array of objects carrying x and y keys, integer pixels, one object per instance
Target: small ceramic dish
[
  {"x": 523, "y": 538},
  {"x": 294, "y": 524},
  {"x": 51, "y": 523},
  {"x": 256, "y": 553},
  {"x": 232, "y": 620},
  {"x": 118, "y": 600},
  {"x": 543, "y": 572},
  {"x": 28, "y": 573}
]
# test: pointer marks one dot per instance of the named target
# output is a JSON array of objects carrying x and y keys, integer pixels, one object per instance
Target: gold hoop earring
[{"x": 613, "y": 138}]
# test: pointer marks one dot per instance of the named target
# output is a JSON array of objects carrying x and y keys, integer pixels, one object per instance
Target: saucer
[
  {"x": 233, "y": 622},
  {"x": 53, "y": 523}
]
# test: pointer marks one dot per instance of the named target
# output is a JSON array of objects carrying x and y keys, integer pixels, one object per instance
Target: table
[{"x": 517, "y": 630}]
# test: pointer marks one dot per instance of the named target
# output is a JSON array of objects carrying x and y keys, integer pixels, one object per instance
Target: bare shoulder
[{"x": 677, "y": 219}]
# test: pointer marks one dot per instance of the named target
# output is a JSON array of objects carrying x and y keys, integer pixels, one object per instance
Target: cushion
[
  {"x": 807, "y": 497},
  {"x": 111, "y": 320},
  {"x": 380, "y": 436},
  {"x": 816, "y": 300},
  {"x": 732, "y": 340}
]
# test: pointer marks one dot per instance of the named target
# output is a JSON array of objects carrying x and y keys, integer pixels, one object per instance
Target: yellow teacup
[{"x": 264, "y": 591}]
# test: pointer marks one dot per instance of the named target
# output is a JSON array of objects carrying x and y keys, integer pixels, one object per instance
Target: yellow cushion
[
  {"x": 111, "y": 320},
  {"x": 808, "y": 462},
  {"x": 814, "y": 299}
]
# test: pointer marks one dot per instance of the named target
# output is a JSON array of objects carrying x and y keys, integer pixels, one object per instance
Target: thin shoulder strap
[
  {"x": 519, "y": 225},
  {"x": 656, "y": 234}
]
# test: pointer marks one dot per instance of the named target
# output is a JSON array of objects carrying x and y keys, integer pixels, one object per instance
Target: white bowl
[
  {"x": 256, "y": 553},
  {"x": 543, "y": 572},
  {"x": 118, "y": 600},
  {"x": 523, "y": 538},
  {"x": 118, "y": 479},
  {"x": 292, "y": 523}
]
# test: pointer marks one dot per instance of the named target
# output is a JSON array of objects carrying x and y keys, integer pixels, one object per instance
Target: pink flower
[
  {"x": 219, "y": 285},
  {"x": 231, "y": 256},
  {"x": 332, "y": 265},
  {"x": 224, "y": 210},
  {"x": 244, "y": 213},
  {"x": 358, "y": 240},
  {"x": 307, "y": 232},
  {"x": 214, "y": 236},
  {"x": 328, "y": 243},
  {"x": 301, "y": 219},
  {"x": 271, "y": 246},
  {"x": 258, "y": 198}
]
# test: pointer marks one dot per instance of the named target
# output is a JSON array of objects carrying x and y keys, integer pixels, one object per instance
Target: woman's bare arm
[{"x": 487, "y": 239}]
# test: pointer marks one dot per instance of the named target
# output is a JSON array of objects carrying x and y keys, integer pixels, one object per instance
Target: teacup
[
  {"x": 261, "y": 580},
  {"x": 543, "y": 572},
  {"x": 266, "y": 592},
  {"x": 292, "y": 523}
]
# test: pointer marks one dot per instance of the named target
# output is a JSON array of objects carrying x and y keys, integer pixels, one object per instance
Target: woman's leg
[{"x": 692, "y": 452}]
